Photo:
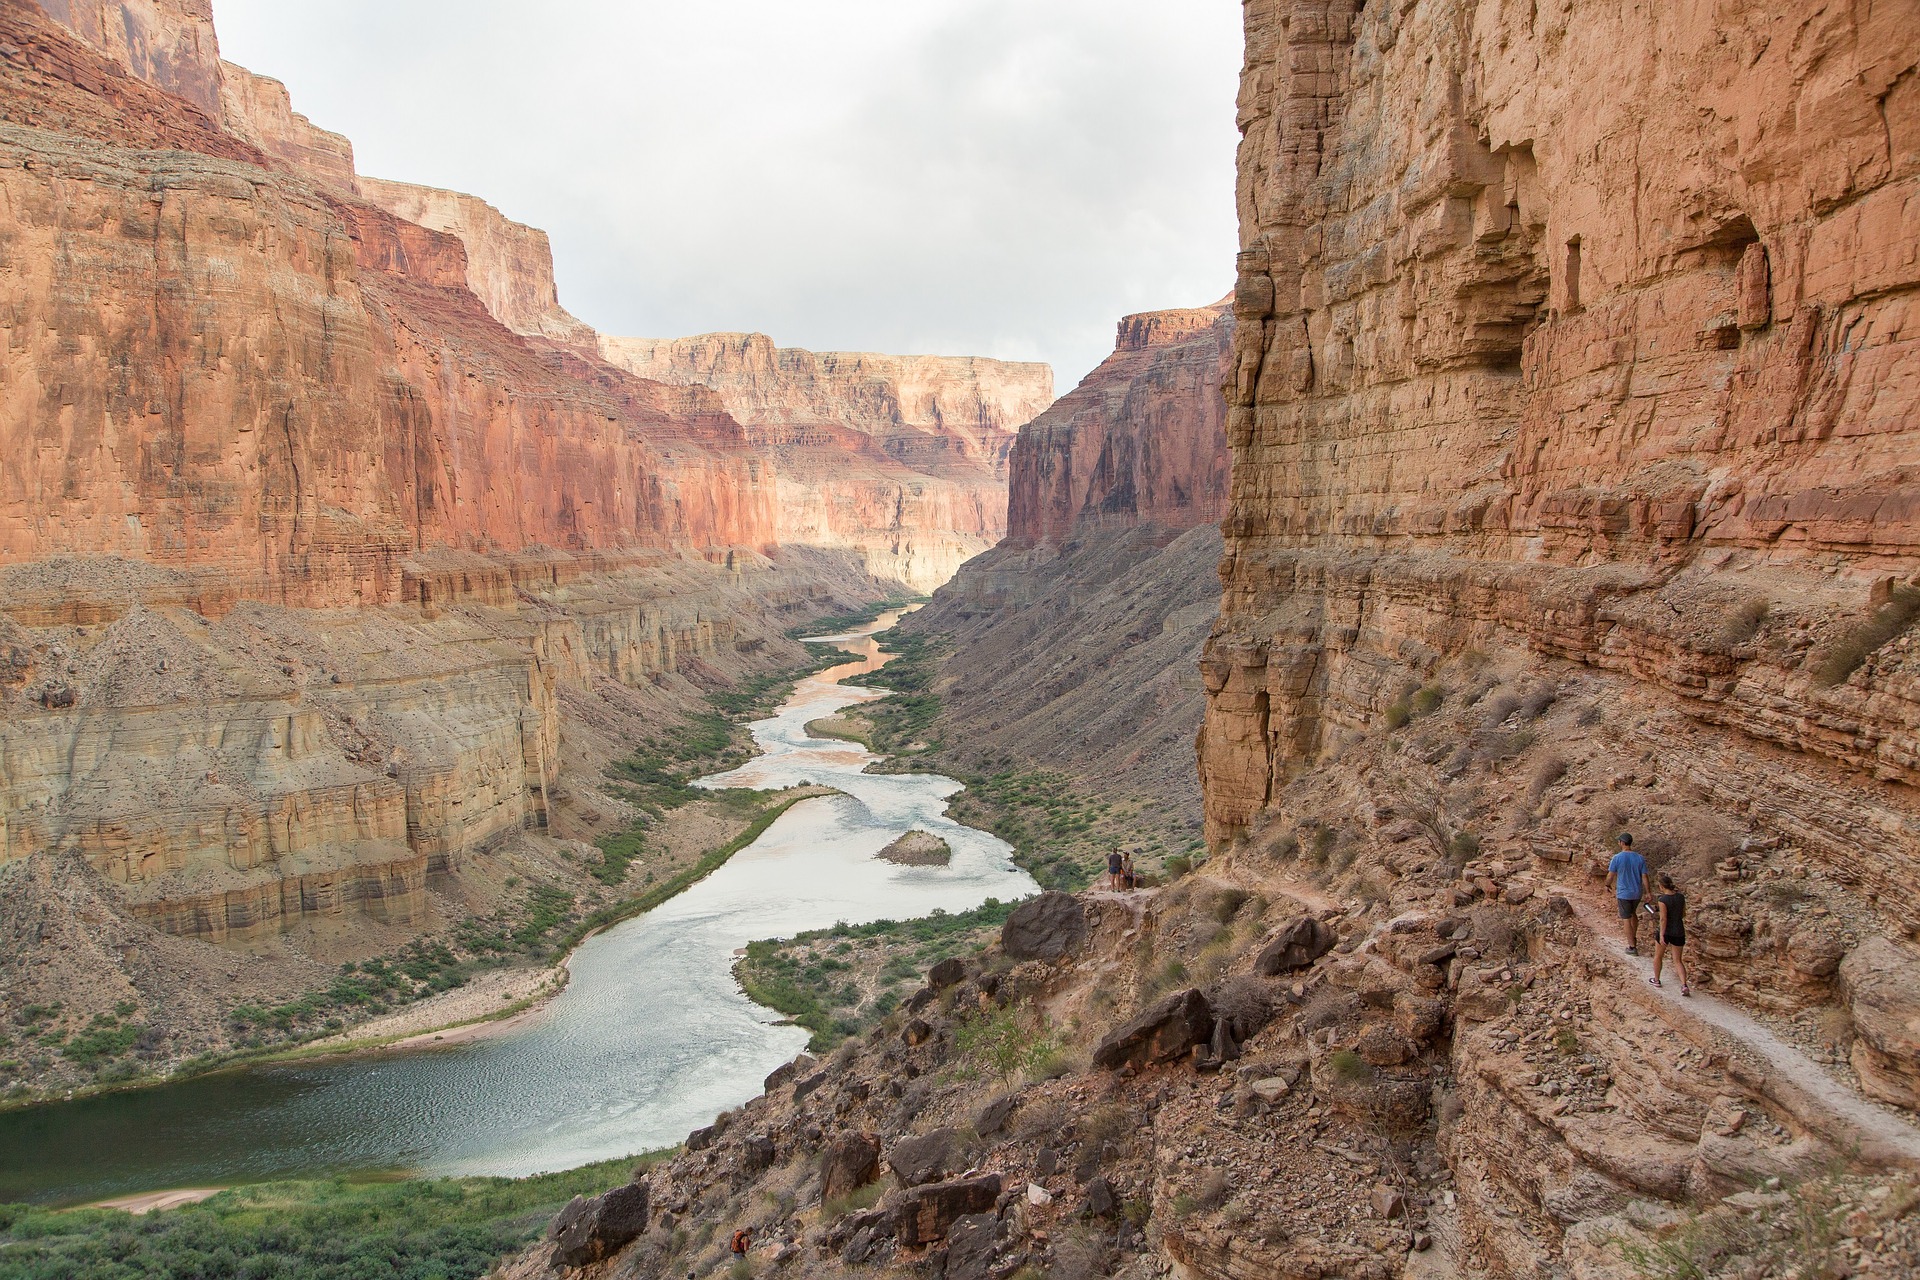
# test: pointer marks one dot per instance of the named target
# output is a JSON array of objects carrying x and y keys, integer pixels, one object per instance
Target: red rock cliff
[
  {"x": 1578, "y": 368},
  {"x": 509, "y": 264},
  {"x": 382, "y": 411},
  {"x": 1140, "y": 440},
  {"x": 902, "y": 458}
]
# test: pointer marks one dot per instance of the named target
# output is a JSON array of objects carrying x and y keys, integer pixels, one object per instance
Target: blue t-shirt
[{"x": 1630, "y": 872}]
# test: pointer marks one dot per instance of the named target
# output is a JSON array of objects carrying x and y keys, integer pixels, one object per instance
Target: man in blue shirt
[{"x": 1627, "y": 873}]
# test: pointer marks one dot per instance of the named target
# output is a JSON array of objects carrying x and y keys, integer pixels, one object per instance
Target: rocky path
[{"x": 1796, "y": 1081}]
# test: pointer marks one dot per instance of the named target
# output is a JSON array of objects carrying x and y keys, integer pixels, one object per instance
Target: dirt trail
[{"x": 1825, "y": 1105}]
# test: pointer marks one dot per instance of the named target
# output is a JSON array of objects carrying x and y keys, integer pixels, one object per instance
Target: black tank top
[{"x": 1676, "y": 905}]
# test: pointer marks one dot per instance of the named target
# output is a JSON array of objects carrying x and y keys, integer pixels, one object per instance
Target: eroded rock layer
[{"x": 902, "y": 458}]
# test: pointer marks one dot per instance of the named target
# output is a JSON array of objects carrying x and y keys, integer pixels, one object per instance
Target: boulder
[
  {"x": 972, "y": 1242},
  {"x": 801, "y": 1088},
  {"x": 702, "y": 1138},
  {"x": 1882, "y": 986},
  {"x": 1271, "y": 1088},
  {"x": 756, "y": 1153},
  {"x": 1299, "y": 943},
  {"x": 916, "y": 1033},
  {"x": 1166, "y": 1031},
  {"x": 929, "y": 1212},
  {"x": 1419, "y": 1018},
  {"x": 1100, "y": 1198},
  {"x": 849, "y": 1163},
  {"x": 947, "y": 973},
  {"x": 917, "y": 1161},
  {"x": 589, "y": 1230},
  {"x": 1049, "y": 927},
  {"x": 994, "y": 1116},
  {"x": 1387, "y": 1202}
]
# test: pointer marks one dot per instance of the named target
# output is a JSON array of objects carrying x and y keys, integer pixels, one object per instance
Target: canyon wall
[
  {"x": 1573, "y": 492},
  {"x": 902, "y": 459},
  {"x": 1073, "y": 641},
  {"x": 303, "y": 553}
]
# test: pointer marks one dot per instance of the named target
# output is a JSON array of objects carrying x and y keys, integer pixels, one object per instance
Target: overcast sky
[{"x": 990, "y": 177}]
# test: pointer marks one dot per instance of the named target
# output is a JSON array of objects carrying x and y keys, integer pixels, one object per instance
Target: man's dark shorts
[{"x": 1627, "y": 907}]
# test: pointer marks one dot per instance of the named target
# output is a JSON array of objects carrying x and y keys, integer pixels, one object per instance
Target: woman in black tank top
[{"x": 1672, "y": 936}]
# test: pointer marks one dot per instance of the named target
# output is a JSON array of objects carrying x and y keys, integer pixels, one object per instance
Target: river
[{"x": 651, "y": 1038}]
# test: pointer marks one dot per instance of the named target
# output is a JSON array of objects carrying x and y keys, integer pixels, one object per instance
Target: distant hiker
[
  {"x": 1130, "y": 880},
  {"x": 1115, "y": 866},
  {"x": 1672, "y": 906},
  {"x": 741, "y": 1242},
  {"x": 1627, "y": 873}
]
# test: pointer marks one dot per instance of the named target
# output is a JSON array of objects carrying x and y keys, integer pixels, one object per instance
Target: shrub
[
  {"x": 1178, "y": 865},
  {"x": 1847, "y": 652},
  {"x": 1566, "y": 1041},
  {"x": 1398, "y": 713},
  {"x": 1743, "y": 623},
  {"x": 859, "y": 1198},
  {"x": 1427, "y": 701},
  {"x": 1545, "y": 774},
  {"x": 1463, "y": 848},
  {"x": 1502, "y": 705},
  {"x": 1349, "y": 1066},
  {"x": 1001, "y": 1043}
]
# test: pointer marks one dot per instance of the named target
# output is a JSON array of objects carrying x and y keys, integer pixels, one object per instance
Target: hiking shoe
[
  {"x": 1654, "y": 981},
  {"x": 1633, "y": 951}
]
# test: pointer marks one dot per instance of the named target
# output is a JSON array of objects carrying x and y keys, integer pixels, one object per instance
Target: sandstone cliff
[
  {"x": 900, "y": 458},
  {"x": 509, "y": 264},
  {"x": 258, "y": 109},
  {"x": 1573, "y": 493},
  {"x": 1073, "y": 641}
]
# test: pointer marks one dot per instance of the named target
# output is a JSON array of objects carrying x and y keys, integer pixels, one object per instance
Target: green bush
[
  {"x": 1427, "y": 701},
  {"x": 438, "y": 1229},
  {"x": 1398, "y": 713}
]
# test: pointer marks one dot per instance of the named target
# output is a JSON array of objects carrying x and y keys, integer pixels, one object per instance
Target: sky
[{"x": 958, "y": 177}]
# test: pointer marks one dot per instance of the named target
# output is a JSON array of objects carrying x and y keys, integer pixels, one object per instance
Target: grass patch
[
  {"x": 424, "y": 1229},
  {"x": 1847, "y": 652}
]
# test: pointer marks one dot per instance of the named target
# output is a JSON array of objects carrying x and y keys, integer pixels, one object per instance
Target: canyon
[
  {"x": 1548, "y": 475},
  {"x": 336, "y": 563},
  {"x": 1571, "y": 442}
]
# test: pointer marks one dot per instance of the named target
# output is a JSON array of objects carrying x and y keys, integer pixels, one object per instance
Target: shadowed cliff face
[{"x": 900, "y": 458}]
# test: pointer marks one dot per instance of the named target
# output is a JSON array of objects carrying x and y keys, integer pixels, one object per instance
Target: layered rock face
[
  {"x": 1107, "y": 570},
  {"x": 1580, "y": 375},
  {"x": 302, "y": 551},
  {"x": 258, "y": 109},
  {"x": 1140, "y": 440},
  {"x": 901, "y": 458},
  {"x": 1573, "y": 485}
]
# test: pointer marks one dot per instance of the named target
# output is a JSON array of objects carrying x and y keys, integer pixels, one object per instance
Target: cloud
[{"x": 995, "y": 177}]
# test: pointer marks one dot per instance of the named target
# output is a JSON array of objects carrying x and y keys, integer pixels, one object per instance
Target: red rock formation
[
  {"x": 234, "y": 388},
  {"x": 258, "y": 109},
  {"x": 1140, "y": 440},
  {"x": 900, "y": 457},
  {"x": 1575, "y": 343},
  {"x": 509, "y": 264},
  {"x": 384, "y": 410},
  {"x": 169, "y": 44}
]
